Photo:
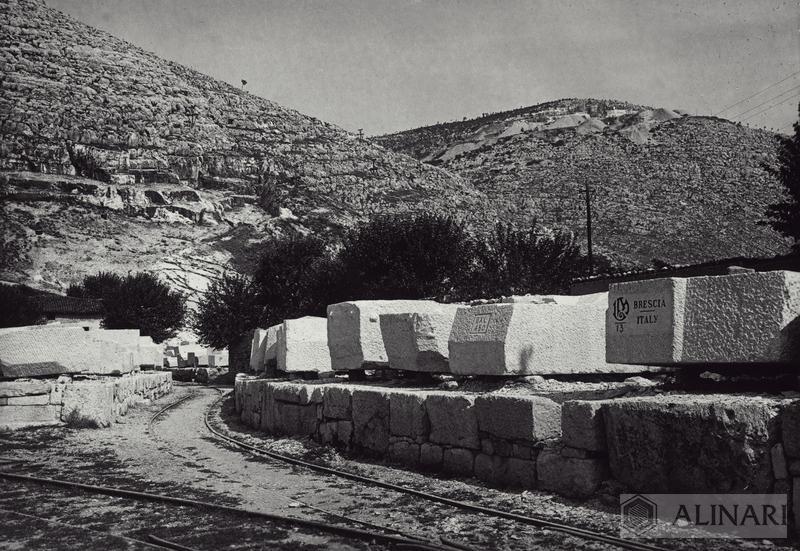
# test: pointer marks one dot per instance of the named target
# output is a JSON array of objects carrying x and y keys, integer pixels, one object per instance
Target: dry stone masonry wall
[
  {"x": 98, "y": 401},
  {"x": 659, "y": 444}
]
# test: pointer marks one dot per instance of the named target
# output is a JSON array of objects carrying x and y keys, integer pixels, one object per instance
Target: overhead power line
[
  {"x": 773, "y": 85},
  {"x": 766, "y": 101},
  {"x": 791, "y": 98}
]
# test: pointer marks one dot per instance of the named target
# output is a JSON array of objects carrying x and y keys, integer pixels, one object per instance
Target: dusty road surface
[{"x": 180, "y": 457}]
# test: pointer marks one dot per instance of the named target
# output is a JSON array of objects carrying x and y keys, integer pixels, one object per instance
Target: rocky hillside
[
  {"x": 665, "y": 186},
  {"x": 113, "y": 158}
]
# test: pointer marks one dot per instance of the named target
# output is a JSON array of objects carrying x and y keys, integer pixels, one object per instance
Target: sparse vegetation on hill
[
  {"x": 666, "y": 187},
  {"x": 96, "y": 132},
  {"x": 785, "y": 216}
]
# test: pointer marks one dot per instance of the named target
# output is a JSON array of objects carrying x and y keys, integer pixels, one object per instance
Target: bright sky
[{"x": 388, "y": 65}]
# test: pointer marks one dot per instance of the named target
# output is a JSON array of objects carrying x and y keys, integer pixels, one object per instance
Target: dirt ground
[{"x": 182, "y": 458}]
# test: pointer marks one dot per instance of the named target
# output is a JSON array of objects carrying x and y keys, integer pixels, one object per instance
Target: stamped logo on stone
[
  {"x": 621, "y": 309},
  {"x": 481, "y": 323}
]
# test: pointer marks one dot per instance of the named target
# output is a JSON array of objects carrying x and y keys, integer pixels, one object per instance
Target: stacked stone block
[
  {"x": 417, "y": 341},
  {"x": 101, "y": 400},
  {"x": 741, "y": 318},
  {"x": 264, "y": 349},
  {"x": 302, "y": 345},
  {"x": 526, "y": 338},
  {"x": 354, "y": 331},
  {"x": 496, "y": 438}
]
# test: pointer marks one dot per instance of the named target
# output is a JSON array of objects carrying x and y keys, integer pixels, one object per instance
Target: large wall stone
[
  {"x": 532, "y": 418},
  {"x": 582, "y": 425},
  {"x": 408, "y": 416},
  {"x": 453, "y": 420},
  {"x": 740, "y": 318},
  {"x": 692, "y": 443},
  {"x": 371, "y": 412},
  {"x": 569, "y": 476}
]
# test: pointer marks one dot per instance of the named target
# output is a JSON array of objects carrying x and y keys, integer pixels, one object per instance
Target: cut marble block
[
  {"x": 417, "y": 341},
  {"x": 54, "y": 350},
  {"x": 264, "y": 350},
  {"x": 302, "y": 345},
  {"x": 532, "y": 339},
  {"x": 150, "y": 353},
  {"x": 257, "y": 348},
  {"x": 741, "y": 318},
  {"x": 354, "y": 331},
  {"x": 127, "y": 341}
]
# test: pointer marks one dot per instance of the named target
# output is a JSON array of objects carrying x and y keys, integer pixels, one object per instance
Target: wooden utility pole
[{"x": 588, "y": 192}]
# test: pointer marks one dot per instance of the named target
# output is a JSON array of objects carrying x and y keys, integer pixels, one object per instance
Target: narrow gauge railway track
[
  {"x": 399, "y": 540},
  {"x": 346, "y": 531},
  {"x": 449, "y": 543},
  {"x": 463, "y": 505},
  {"x": 154, "y": 543}
]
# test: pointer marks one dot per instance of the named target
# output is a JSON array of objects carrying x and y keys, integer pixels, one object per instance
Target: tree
[
  {"x": 96, "y": 286},
  {"x": 229, "y": 308},
  {"x": 513, "y": 261},
  {"x": 785, "y": 216},
  {"x": 288, "y": 279},
  {"x": 145, "y": 303},
  {"x": 411, "y": 257},
  {"x": 17, "y": 308}
]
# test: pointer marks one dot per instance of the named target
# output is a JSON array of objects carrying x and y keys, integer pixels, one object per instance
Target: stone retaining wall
[
  {"x": 94, "y": 400},
  {"x": 669, "y": 443}
]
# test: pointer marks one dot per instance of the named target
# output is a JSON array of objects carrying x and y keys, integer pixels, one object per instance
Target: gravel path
[{"x": 182, "y": 458}]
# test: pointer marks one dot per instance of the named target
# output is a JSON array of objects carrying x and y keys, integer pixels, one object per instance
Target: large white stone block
[
  {"x": 741, "y": 318},
  {"x": 354, "y": 331},
  {"x": 528, "y": 338},
  {"x": 264, "y": 349},
  {"x": 257, "y": 349},
  {"x": 52, "y": 350},
  {"x": 417, "y": 341},
  {"x": 303, "y": 345},
  {"x": 150, "y": 353},
  {"x": 127, "y": 341}
]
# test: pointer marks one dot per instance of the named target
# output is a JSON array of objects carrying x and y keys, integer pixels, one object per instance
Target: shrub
[
  {"x": 418, "y": 256},
  {"x": 17, "y": 307},
  {"x": 513, "y": 261},
  {"x": 229, "y": 308},
  {"x": 145, "y": 303},
  {"x": 289, "y": 279},
  {"x": 96, "y": 286}
]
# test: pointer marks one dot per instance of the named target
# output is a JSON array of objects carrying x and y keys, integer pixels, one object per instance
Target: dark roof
[{"x": 65, "y": 306}]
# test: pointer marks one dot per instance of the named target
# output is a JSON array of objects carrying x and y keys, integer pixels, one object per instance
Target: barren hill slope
[
  {"x": 182, "y": 173},
  {"x": 666, "y": 186}
]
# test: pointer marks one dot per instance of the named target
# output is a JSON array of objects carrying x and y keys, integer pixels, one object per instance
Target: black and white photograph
[{"x": 399, "y": 275}]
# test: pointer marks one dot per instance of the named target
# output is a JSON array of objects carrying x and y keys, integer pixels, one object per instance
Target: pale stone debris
[
  {"x": 302, "y": 345},
  {"x": 565, "y": 336},
  {"x": 354, "y": 331},
  {"x": 417, "y": 341},
  {"x": 741, "y": 318}
]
